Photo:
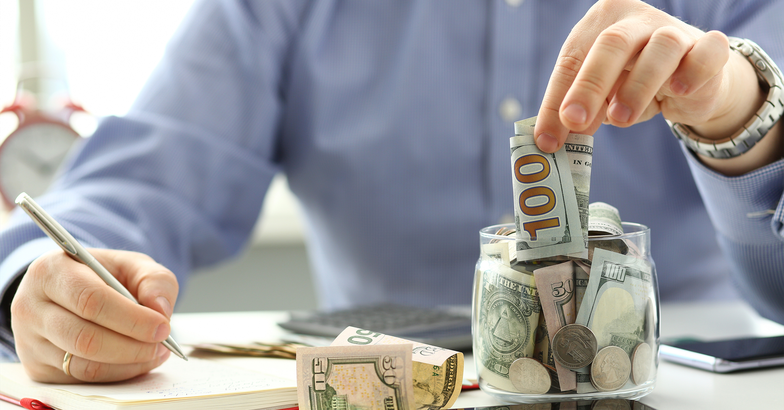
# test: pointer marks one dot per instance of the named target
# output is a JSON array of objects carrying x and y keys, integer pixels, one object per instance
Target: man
[{"x": 391, "y": 121}]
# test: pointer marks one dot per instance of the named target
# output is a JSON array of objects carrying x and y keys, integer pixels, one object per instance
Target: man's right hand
[{"x": 63, "y": 306}]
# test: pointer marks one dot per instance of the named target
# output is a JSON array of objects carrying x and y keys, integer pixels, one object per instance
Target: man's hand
[
  {"x": 63, "y": 306},
  {"x": 626, "y": 61}
]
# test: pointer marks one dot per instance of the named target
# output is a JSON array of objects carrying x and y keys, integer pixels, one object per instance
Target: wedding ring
[{"x": 67, "y": 364}]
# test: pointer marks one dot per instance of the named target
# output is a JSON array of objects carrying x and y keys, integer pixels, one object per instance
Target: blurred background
[{"x": 99, "y": 54}]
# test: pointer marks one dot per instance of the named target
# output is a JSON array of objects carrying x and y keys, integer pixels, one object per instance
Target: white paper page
[{"x": 177, "y": 379}]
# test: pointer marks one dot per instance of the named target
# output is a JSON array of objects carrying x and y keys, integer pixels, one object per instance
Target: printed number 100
[{"x": 531, "y": 226}]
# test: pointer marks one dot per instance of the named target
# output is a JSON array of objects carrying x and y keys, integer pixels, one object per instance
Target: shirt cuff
[
  {"x": 748, "y": 208},
  {"x": 16, "y": 263}
]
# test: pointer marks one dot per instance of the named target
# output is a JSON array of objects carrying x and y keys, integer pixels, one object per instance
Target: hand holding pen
[{"x": 70, "y": 326}]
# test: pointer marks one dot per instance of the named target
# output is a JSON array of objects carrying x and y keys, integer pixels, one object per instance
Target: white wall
[{"x": 105, "y": 50}]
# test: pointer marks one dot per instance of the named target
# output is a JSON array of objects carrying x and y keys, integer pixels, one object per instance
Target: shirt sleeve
[
  {"x": 183, "y": 175},
  {"x": 748, "y": 214}
]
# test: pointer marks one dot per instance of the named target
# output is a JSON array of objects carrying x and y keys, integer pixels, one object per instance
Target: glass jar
[{"x": 603, "y": 341}]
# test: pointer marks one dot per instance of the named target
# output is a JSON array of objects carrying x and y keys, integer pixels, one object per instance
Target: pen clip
[{"x": 47, "y": 224}]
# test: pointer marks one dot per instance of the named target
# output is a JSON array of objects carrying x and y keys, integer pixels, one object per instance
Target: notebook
[{"x": 240, "y": 383}]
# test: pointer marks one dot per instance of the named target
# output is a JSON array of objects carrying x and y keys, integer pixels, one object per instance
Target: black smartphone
[{"x": 724, "y": 356}]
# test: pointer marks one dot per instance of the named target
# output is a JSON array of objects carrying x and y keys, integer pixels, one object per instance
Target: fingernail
[
  {"x": 547, "y": 143},
  {"x": 162, "y": 350},
  {"x": 165, "y": 306},
  {"x": 620, "y": 112},
  {"x": 678, "y": 87},
  {"x": 161, "y": 332},
  {"x": 575, "y": 113}
]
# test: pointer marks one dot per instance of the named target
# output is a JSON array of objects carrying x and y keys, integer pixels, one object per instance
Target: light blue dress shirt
[{"x": 391, "y": 121}]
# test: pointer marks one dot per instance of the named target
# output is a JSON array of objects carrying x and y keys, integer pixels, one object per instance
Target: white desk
[{"x": 677, "y": 387}]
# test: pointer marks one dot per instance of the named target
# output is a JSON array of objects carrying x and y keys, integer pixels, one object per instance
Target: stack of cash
[
  {"x": 370, "y": 370},
  {"x": 563, "y": 303}
]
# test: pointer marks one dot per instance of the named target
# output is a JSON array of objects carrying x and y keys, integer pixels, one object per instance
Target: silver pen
[{"x": 77, "y": 252}]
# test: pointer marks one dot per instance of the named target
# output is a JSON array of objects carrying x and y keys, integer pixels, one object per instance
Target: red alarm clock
[{"x": 32, "y": 154}]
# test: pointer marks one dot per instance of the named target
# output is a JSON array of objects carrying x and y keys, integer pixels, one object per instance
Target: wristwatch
[{"x": 759, "y": 125}]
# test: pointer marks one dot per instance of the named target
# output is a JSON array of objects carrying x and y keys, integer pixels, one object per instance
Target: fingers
[
  {"x": 77, "y": 289},
  {"x": 656, "y": 63},
  {"x": 709, "y": 54},
  {"x": 88, "y": 340},
  {"x": 618, "y": 63},
  {"x": 61, "y": 305},
  {"x": 83, "y": 370},
  {"x": 603, "y": 65},
  {"x": 153, "y": 285}
]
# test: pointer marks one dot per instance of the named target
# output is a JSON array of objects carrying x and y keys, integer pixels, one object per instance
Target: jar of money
[{"x": 579, "y": 326}]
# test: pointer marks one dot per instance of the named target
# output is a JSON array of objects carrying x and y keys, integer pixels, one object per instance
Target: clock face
[{"x": 31, "y": 156}]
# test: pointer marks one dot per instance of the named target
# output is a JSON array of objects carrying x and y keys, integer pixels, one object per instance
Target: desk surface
[{"x": 677, "y": 387}]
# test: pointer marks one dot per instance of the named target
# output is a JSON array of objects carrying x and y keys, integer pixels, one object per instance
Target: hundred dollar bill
[
  {"x": 579, "y": 151},
  {"x": 604, "y": 219},
  {"x": 556, "y": 294},
  {"x": 437, "y": 372},
  {"x": 615, "y": 302},
  {"x": 508, "y": 316},
  {"x": 547, "y": 212},
  {"x": 355, "y": 377}
]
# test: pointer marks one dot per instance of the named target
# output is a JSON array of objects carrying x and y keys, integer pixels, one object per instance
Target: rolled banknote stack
[
  {"x": 370, "y": 370},
  {"x": 564, "y": 301}
]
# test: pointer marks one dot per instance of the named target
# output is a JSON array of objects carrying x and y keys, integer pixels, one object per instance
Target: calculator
[{"x": 448, "y": 327}]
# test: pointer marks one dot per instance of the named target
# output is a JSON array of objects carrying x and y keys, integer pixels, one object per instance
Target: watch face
[{"x": 31, "y": 156}]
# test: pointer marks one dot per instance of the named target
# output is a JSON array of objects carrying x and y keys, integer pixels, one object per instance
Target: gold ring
[{"x": 67, "y": 364}]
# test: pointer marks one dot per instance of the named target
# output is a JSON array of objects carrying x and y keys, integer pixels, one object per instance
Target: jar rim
[{"x": 630, "y": 230}]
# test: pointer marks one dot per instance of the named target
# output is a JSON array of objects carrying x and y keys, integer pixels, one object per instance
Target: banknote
[
  {"x": 619, "y": 291},
  {"x": 506, "y": 327},
  {"x": 579, "y": 151},
  {"x": 543, "y": 353},
  {"x": 355, "y": 377},
  {"x": 556, "y": 295},
  {"x": 581, "y": 274},
  {"x": 501, "y": 251},
  {"x": 604, "y": 219},
  {"x": 547, "y": 215},
  {"x": 437, "y": 372}
]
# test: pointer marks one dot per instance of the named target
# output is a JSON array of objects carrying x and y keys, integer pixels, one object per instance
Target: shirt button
[
  {"x": 514, "y": 3},
  {"x": 510, "y": 109}
]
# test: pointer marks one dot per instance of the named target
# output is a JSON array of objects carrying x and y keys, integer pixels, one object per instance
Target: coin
[
  {"x": 641, "y": 363},
  {"x": 610, "y": 369},
  {"x": 529, "y": 376},
  {"x": 574, "y": 346},
  {"x": 611, "y": 404}
]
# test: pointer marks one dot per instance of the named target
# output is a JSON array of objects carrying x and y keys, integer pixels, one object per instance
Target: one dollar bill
[{"x": 509, "y": 311}]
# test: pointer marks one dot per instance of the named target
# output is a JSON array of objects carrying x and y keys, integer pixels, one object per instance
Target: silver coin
[
  {"x": 610, "y": 369},
  {"x": 641, "y": 363},
  {"x": 611, "y": 404},
  {"x": 574, "y": 346},
  {"x": 529, "y": 376}
]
